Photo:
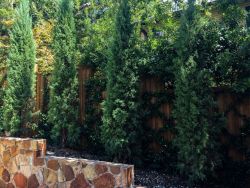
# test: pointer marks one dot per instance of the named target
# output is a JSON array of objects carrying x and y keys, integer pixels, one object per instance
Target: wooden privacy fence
[
  {"x": 84, "y": 73},
  {"x": 237, "y": 112},
  {"x": 235, "y": 109},
  {"x": 153, "y": 87}
]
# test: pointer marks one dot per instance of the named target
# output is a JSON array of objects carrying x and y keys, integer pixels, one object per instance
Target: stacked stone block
[{"x": 23, "y": 164}]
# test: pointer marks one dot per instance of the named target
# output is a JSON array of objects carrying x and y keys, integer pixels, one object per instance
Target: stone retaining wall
[{"x": 23, "y": 164}]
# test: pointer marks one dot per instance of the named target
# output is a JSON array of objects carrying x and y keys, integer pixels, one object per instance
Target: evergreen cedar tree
[
  {"x": 18, "y": 95},
  {"x": 196, "y": 132},
  {"x": 63, "y": 106},
  {"x": 119, "y": 129}
]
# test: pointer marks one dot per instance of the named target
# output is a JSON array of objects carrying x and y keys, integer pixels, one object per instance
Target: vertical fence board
[
  {"x": 84, "y": 73},
  {"x": 39, "y": 92}
]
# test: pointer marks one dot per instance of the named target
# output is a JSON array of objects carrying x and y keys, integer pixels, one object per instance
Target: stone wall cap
[
  {"x": 67, "y": 159},
  {"x": 87, "y": 161},
  {"x": 20, "y": 139}
]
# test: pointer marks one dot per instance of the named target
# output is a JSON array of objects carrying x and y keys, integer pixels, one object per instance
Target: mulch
[{"x": 143, "y": 177}]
